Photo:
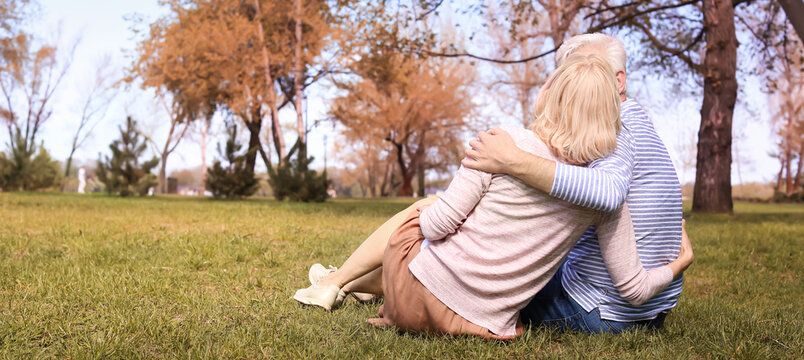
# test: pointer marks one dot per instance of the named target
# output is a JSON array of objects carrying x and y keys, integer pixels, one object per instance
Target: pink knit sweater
[{"x": 494, "y": 243}]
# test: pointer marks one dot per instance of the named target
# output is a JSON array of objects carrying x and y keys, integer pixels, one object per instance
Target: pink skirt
[{"x": 408, "y": 304}]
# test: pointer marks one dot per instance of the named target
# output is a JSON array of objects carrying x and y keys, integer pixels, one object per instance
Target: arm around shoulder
[{"x": 495, "y": 151}]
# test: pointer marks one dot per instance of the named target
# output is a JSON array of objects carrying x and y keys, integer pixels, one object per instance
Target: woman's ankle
[
  {"x": 347, "y": 288},
  {"x": 331, "y": 279}
]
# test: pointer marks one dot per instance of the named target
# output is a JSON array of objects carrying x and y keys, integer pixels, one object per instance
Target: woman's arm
[
  {"x": 618, "y": 247},
  {"x": 685, "y": 255},
  {"x": 447, "y": 213}
]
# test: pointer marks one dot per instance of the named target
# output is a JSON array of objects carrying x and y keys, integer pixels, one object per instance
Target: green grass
[{"x": 101, "y": 277}]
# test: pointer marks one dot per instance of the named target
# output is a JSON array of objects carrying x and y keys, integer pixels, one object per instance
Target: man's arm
[
  {"x": 494, "y": 151},
  {"x": 601, "y": 186}
]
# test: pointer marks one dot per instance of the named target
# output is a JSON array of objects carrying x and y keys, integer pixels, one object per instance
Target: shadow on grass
[{"x": 745, "y": 218}]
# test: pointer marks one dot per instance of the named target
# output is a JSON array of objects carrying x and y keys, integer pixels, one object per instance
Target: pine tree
[
  {"x": 295, "y": 180},
  {"x": 122, "y": 173},
  {"x": 236, "y": 179},
  {"x": 21, "y": 170}
]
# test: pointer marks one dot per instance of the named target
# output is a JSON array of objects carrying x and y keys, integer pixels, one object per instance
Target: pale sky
[{"x": 103, "y": 29}]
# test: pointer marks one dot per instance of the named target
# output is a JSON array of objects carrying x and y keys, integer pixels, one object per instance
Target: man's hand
[{"x": 494, "y": 151}]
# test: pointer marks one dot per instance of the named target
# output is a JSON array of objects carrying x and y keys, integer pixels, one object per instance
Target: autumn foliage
[{"x": 417, "y": 109}]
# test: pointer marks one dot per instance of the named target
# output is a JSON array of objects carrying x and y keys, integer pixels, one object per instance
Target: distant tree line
[{"x": 405, "y": 86}]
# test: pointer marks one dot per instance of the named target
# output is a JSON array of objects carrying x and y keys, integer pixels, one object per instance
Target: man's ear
[{"x": 621, "y": 81}]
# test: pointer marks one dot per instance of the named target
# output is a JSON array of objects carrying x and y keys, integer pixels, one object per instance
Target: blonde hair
[{"x": 577, "y": 113}]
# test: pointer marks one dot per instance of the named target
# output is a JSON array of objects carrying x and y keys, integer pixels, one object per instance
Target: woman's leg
[
  {"x": 367, "y": 258},
  {"x": 370, "y": 283},
  {"x": 363, "y": 267}
]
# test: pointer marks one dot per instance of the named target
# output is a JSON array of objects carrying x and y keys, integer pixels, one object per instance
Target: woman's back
[{"x": 502, "y": 241}]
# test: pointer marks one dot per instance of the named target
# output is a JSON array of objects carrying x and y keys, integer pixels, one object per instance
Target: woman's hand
[
  {"x": 685, "y": 255},
  {"x": 423, "y": 203}
]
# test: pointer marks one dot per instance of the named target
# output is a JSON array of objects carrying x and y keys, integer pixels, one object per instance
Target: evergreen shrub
[
  {"x": 26, "y": 169},
  {"x": 122, "y": 173},
  {"x": 235, "y": 179},
  {"x": 295, "y": 180}
]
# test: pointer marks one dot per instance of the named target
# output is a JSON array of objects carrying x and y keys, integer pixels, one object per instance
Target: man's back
[{"x": 654, "y": 199}]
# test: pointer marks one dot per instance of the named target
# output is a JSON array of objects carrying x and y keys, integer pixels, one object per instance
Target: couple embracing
[{"x": 574, "y": 223}]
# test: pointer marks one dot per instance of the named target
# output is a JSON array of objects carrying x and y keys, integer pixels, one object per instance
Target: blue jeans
[{"x": 553, "y": 308}]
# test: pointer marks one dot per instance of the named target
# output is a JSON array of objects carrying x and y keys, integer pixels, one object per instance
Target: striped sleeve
[{"x": 604, "y": 184}]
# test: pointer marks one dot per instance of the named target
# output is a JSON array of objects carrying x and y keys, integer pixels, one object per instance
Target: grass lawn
[{"x": 101, "y": 277}]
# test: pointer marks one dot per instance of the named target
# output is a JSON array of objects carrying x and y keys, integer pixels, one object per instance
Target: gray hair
[{"x": 607, "y": 46}]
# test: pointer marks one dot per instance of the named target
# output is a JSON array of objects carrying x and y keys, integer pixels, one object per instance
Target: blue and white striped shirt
[{"x": 642, "y": 169}]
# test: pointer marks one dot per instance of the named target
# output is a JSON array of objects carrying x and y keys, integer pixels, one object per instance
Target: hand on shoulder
[{"x": 494, "y": 151}]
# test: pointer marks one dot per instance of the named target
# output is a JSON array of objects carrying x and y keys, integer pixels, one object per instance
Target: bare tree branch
[
  {"x": 601, "y": 10},
  {"x": 498, "y": 61},
  {"x": 618, "y": 19},
  {"x": 680, "y": 53},
  {"x": 430, "y": 11},
  {"x": 611, "y": 22}
]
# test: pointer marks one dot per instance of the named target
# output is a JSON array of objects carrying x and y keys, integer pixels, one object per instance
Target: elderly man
[{"x": 581, "y": 296}]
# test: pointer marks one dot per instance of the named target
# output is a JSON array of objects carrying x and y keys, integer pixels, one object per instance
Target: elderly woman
[{"x": 470, "y": 261}]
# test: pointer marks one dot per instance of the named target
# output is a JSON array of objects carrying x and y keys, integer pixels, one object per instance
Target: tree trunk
[
  {"x": 788, "y": 165},
  {"x": 204, "y": 133},
  {"x": 371, "y": 179},
  {"x": 794, "y": 9},
  {"x": 407, "y": 172},
  {"x": 419, "y": 156},
  {"x": 712, "y": 192},
  {"x": 790, "y": 133},
  {"x": 386, "y": 178},
  {"x": 297, "y": 62},
  {"x": 781, "y": 174},
  {"x": 788, "y": 189},
  {"x": 276, "y": 128},
  {"x": 161, "y": 187},
  {"x": 276, "y": 131},
  {"x": 254, "y": 126},
  {"x": 420, "y": 178},
  {"x": 72, "y": 150},
  {"x": 407, "y": 184},
  {"x": 797, "y": 181},
  {"x": 69, "y": 163},
  {"x": 554, "y": 13},
  {"x": 524, "y": 103}
]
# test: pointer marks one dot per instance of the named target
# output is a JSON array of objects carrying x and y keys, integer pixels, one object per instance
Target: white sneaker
[
  {"x": 318, "y": 272},
  {"x": 325, "y": 296}
]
